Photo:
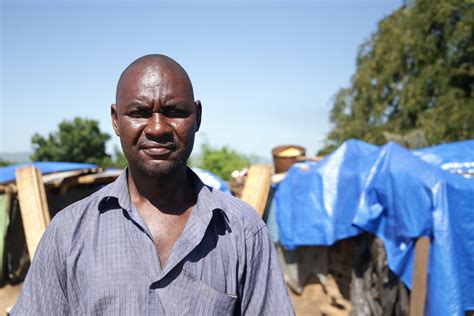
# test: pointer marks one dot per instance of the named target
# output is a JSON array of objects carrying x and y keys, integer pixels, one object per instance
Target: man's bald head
[
  {"x": 162, "y": 66},
  {"x": 156, "y": 116}
]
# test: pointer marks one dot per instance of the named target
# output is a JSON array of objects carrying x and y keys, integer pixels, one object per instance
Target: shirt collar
[
  {"x": 116, "y": 196},
  {"x": 207, "y": 201}
]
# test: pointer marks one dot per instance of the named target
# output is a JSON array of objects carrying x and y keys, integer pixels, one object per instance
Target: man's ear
[
  {"x": 113, "y": 114},
  {"x": 198, "y": 105}
]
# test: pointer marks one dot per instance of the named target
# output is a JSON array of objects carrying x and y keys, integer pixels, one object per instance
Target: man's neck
[{"x": 172, "y": 193}]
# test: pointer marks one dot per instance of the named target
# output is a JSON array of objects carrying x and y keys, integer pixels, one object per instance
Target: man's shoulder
[
  {"x": 72, "y": 221},
  {"x": 239, "y": 212},
  {"x": 78, "y": 211},
  {"x": 88, "y": 202}
]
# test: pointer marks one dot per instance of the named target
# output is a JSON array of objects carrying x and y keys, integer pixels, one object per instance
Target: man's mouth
[{"x": 157, "y": 151}]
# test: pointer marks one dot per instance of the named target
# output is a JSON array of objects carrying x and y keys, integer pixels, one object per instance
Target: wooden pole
[
  {"x": 257, "y": 187},
  {"x": 33, "y": 205},
  {"x": 420, "y": 277}
]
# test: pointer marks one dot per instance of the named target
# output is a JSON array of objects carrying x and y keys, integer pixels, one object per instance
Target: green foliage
[
  {"x": 222, "y": 161},
  {"x": 5, "y": 163},
  {"x": 117, "y": 160},
  {"x": 79, "y": 140},
  {"x": 415, "y": 72}
]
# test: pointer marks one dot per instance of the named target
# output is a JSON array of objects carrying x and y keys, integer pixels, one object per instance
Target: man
[{"x": 156, "y": 241}]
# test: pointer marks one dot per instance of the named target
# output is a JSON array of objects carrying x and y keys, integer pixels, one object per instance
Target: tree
[
  {"x": 415, "y": 72},
  {"x": 221, "y": 161},
  {"x": 120, "y": 161},
  {"x": 5, "y": 163},
  {"x": 79, "y": 140},
  {"x": 117, "y": 160}
]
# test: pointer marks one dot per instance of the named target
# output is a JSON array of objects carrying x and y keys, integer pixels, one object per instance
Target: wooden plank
[
  {"x": 56, "y": 179},
  {"x": 69, "y": 178},
  {"x": 33, "y": 205},
  {"x": 7, "y": 187},
  {"x": 102, "y": 177},
  {"x": 420, "y": 276},
  {"x": 257, "y": 187}
]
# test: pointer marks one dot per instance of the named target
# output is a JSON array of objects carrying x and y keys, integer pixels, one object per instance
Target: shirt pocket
[{"x": 210, "y": 301}]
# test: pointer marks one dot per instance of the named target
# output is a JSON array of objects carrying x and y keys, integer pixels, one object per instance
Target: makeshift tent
[
  {"x": 398, "y": 195},
  {"x": 7, "y": 174}
]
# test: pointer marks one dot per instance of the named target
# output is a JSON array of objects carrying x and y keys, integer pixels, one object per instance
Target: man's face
[{"x": 156, "y": 118}]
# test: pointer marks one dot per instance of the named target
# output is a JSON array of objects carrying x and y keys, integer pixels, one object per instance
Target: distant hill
[{"x": 19, "y": 157}]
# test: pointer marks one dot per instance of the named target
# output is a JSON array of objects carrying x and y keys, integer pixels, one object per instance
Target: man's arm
[
  {"x": 264, "y": 290},
  {"x": 44, "y": 291}
]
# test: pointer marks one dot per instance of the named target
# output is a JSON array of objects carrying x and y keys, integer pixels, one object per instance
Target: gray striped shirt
[{"x": 97, "y": 257}]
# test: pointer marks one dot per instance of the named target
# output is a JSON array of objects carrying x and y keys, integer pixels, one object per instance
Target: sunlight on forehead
[{"x": 150, "y": 78}]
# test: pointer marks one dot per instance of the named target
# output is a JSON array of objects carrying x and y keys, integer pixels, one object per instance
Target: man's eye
[
  {"x": 174, "y": 112},
  {"x": 140, "y": 114}
]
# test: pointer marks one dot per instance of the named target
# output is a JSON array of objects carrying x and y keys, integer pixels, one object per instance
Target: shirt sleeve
[
  {"x": 44, "y": 291},
  {"x": 264, "y": 290}
]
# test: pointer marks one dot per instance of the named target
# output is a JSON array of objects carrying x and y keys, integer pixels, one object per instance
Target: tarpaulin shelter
[
  {"x": 398, "y": 195},
  {"x": 7, "y": 174}
]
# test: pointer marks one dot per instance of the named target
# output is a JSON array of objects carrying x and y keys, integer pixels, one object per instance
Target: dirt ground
[
  {"x": 305, "y": 306},
  {"x": 312, "y": 302},
  {"x": 320, "y": 301}
]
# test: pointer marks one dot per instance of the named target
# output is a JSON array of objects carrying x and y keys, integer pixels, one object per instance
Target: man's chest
[
  {"x": 164, "y": 230},
  {"x": 122, "y": 265}
]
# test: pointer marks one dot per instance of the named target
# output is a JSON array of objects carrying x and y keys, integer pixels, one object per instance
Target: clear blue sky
[{"x": 265, "y": 71}]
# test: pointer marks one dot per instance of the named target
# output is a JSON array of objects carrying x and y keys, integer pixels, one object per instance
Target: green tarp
[{"x": 4, "y": 221}]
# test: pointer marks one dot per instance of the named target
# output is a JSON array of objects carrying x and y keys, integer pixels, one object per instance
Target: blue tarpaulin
[
  {"x": 453, "y": 157},
  {"x": 211, "y": 179},
  {"x": 398, "y": 195},
  {"x": 7, "y": 174}
]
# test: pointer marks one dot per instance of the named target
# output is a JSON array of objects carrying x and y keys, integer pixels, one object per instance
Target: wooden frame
[
  {"x": 33, "y": 205},
  {"x": 420, "y": 277}
]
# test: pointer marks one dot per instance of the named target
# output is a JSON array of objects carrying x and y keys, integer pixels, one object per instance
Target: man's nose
[{"x": 157, "y": 125}]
